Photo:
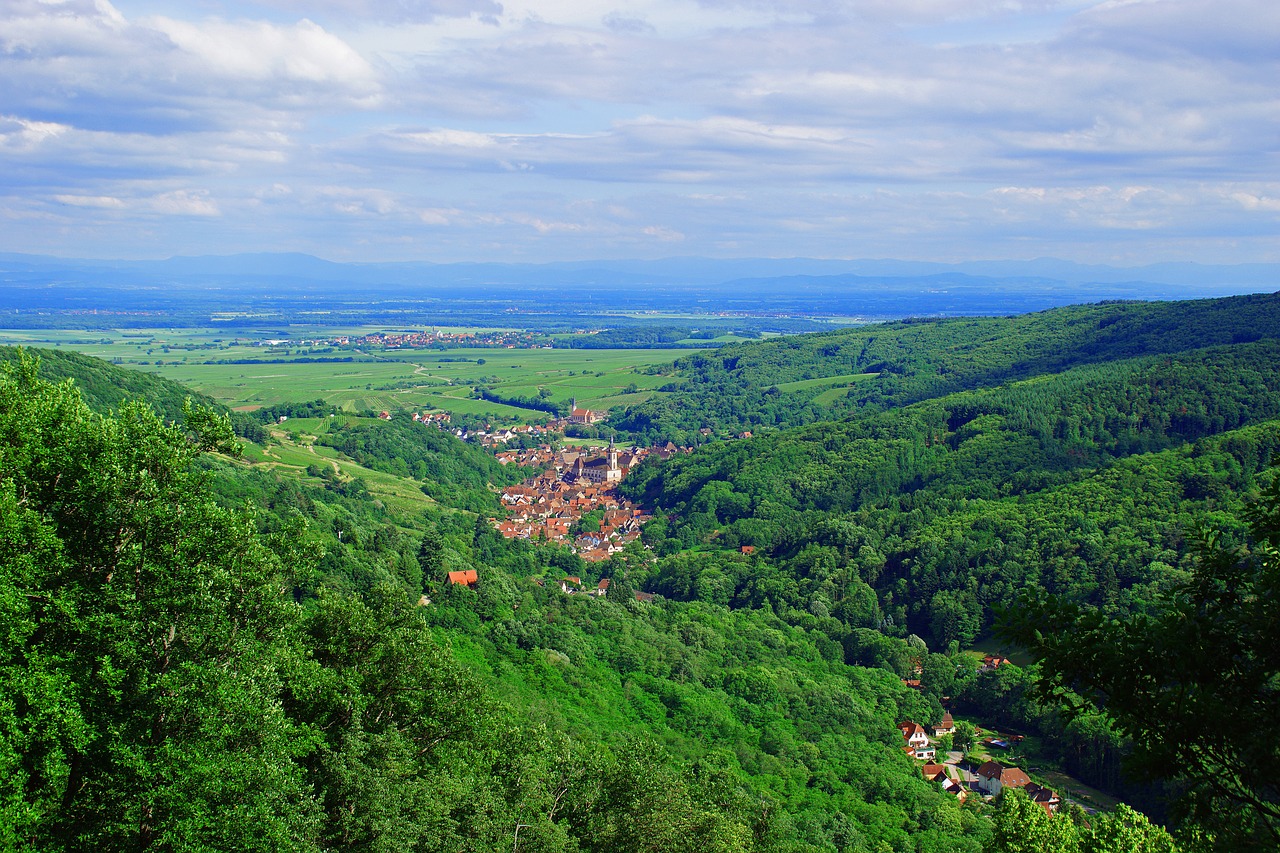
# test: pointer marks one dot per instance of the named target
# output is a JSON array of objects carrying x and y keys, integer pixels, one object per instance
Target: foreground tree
[
  {"x": 1196, "y": 686},
  {"x": 1022, "y": 826}
]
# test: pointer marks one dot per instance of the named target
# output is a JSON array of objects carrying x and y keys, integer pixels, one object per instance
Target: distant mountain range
[{"x": 872, "y": 288}]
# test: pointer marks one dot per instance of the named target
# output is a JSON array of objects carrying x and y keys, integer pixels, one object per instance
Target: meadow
[{"x": 391, "y": 379}]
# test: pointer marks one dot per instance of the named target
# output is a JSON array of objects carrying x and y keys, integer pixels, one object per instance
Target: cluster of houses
[
  {"x": 434, "y": 337},
  {"x": 576, "y": 482},
  {"x": 990, "y": 778},
  {"x": 484, "y": 435},
  {"x": 419, "y": 340}
]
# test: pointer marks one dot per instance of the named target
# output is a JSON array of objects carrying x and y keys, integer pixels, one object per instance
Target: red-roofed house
[
  {"x": 1043, "y": 797},
  {"x": 583, "y": 416},
  {"x": 468, "y": 578},
  {"x": 934, "y": 772},
  {"x": 914, "y": 734},
  {"x": 994, "y": 777}
]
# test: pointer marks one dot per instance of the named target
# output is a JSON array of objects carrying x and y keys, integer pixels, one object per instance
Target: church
[
  {"x": 603, "y": 469},
  {"x": 584, "y": 416}
]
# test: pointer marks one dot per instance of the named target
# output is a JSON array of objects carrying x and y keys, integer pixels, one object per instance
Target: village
[
  {"x": 420, "y": 340},
  {"x": 573, "y": 498},
  {"x": 959, "y": 772}
]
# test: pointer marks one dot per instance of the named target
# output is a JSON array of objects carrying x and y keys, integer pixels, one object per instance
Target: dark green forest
[
  {"x": 200, "y": 654},
  {"x": 743, "y": 386}
]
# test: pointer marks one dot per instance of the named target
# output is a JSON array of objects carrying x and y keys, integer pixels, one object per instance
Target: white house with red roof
[
  {"x": 993, "y": 777},
  {"x": 914, "y": 734}
]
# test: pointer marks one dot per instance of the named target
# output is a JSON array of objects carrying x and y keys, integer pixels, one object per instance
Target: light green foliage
[
  {"x": 152, "y": 632},
  {"x": 1123, "y": 831},
  {"x": 1022, "y": 826}
]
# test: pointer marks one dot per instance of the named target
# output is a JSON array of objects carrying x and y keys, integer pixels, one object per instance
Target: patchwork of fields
[{"x": 391, "y": 380}]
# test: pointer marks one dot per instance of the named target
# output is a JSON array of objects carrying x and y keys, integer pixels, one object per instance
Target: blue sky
[{"x": 1122, "y": 132}]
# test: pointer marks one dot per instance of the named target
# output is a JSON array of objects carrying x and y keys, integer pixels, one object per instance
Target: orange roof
[{"x": 464, "y": 578}]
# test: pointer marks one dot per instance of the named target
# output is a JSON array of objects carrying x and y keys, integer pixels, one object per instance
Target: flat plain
[{"x": 235, "y": 368}]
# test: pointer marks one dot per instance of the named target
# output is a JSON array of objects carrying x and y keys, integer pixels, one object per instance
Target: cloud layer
[{"x": 1119, "y": 131}]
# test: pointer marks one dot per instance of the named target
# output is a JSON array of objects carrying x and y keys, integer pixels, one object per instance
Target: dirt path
[{"x": 336, "y": 469}]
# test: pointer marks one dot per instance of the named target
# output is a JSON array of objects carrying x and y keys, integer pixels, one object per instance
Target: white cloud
[
  {"x": 257, "y": 50},
  {"x": 184, "y": 203},
  {"x": 391, "y": 11},
  {"x": 86, "y": 64},
  {"x": 102, "y": 201},
  {"x": 578, "y": 127},
  {"x": 21, "y": 135},
  {"x": 174, "y": 203}
]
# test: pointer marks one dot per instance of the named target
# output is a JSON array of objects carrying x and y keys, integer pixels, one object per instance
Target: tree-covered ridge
[
  {"x": 106, "y": 387},
  {"x": 1003, "y": 441},
  {"x": 746, "y": 385},
  {"x": 922, "y": 520},
  {"x": 1191, "y": 683},
  {"x": 452, "y": 471}
]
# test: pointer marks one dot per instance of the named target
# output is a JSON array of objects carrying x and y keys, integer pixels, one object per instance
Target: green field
[
  {"x": 293, "y": 450},
  {"x": 823, "y": 382},
  {"x": 391, "y": 380}
]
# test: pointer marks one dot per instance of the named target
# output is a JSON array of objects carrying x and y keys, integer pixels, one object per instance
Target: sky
[{"x": 1123, "y": 132}]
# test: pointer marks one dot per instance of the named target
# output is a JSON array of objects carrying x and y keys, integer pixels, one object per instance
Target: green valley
[{"x": 295, "y": 626}]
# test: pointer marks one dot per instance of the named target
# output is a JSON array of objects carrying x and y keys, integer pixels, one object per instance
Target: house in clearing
[
  {"x": 921, "y": 753},
  {"x": 468, "y": 578},
  {"x": 934, "y": 772},
  {"x": 951, "y": 786},
  {"x": 946, "y": 727},
  {"x": 1043, "y": 797}
]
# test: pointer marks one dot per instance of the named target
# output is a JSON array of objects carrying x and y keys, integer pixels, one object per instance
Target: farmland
[{"x": 243, "y": 375}]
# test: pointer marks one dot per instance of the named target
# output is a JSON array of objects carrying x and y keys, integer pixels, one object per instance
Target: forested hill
[
  {"x": 891, "y": 474},
  {"x": 106, "y": 387},
  {"x": 796, "y": 380},
  {"x": 1066, "y": 465}
]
